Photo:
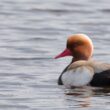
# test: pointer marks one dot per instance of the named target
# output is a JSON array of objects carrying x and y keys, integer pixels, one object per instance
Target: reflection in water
[{"x": 83, "y": 96}]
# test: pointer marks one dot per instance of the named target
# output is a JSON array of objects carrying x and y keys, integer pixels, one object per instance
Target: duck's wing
[{"x": 101, "y": 77}]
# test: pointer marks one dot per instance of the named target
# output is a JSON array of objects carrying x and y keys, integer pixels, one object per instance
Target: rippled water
[{"x": 32, "y": 32}]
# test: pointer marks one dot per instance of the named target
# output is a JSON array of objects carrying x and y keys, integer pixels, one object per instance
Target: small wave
[
  {"x": 105, "y": 10},
  {"x": 23, "y": 58}
]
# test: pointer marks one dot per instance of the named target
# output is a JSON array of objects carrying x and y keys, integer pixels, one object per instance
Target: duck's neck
[{"x": 77, "y": 59}]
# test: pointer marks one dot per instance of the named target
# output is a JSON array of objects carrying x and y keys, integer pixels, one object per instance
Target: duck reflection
[{"x": 82, "y": 97}]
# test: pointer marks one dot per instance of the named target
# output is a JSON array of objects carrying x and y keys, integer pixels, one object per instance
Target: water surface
[{"x": 32, "y": 32}]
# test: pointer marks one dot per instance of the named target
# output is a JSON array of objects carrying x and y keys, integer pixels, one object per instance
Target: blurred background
[{"x": 32, "y": 32}]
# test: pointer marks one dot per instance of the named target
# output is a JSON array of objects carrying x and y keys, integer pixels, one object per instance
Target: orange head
[{"x": 79, "y": 46}]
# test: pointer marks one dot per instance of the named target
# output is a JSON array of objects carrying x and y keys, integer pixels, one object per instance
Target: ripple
[
  {"x": 6, "y": 106},
  {"x": 24, "y": 58},
  {"x": 105, "y": 10}
]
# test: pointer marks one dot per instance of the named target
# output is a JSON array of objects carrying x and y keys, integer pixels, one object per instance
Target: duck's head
[{"x": 79, "y": 46}]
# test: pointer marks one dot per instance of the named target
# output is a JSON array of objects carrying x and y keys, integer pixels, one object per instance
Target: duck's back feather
[{"x": 101, "y": 79}]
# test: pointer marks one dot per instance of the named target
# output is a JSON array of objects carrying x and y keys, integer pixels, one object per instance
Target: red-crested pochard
[{"x": 82, "y": 71}]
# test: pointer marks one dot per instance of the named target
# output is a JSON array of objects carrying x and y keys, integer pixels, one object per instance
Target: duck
[{"x": 83, "y": 70}]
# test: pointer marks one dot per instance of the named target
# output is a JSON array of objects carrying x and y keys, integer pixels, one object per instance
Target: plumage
[
  {"x": 82, "y": 71},
  {"x": 99, "y": 74},
  {"x": 101, "y": 79},
  {"x": 78, "y": 77}
]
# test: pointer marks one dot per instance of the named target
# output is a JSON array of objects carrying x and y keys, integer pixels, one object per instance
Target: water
[{"x": 32, "y": 32}]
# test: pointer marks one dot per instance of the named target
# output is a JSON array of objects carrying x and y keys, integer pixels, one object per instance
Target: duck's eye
[
  {"x": 78, "y": 43},
  {"x": 75, "y": 44}
]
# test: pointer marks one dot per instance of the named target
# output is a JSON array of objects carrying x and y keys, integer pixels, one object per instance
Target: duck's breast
[{"x": 77, "y": 77}]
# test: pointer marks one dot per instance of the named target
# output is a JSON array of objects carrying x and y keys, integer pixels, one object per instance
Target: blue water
[{"x": 32, "y": 32}]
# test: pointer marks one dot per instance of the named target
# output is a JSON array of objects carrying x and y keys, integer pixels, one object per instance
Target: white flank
[{"x": 78, "y": 77}]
